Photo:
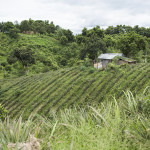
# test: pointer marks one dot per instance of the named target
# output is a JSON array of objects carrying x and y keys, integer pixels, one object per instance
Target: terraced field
[{"x": 52, "y": 91}]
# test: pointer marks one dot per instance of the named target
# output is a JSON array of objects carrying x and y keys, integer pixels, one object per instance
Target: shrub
[
  {"x": 17, "y": 132},
  {"x": 3, "y": 64},
  {"x": 11, "y": 59},
  {"x": 3, "y": 112},
  {"x": 112, "y": 66},
  {"x": 144, "y": 105},
  {"x": 91, "y": 70},
  {"x": 83, "y": 68},
  {"x": 17, "y": 93},
  {"x": 46, "y": 69},
  {"x": 125, "y": 65},
  {"x": 63, "y": 40},
  {"x": 8, "y": 68}
]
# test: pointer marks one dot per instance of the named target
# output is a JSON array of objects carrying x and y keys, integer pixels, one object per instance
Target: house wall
[
  {"x": 28, "y": 32},
  {"x": 105, "y": 63},
  {"x": 98, "y": 65}
]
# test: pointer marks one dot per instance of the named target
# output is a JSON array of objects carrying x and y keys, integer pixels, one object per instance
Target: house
[{"x": 106, "y": 58}]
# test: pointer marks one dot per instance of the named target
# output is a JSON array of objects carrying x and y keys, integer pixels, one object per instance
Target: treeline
[
  {"x": 29, "y": 26},
  {"x": 119, "y": 39},
  {"x": 35, "y": 27},
  {"x": 127, "y": 29},
  {"x": 46, "y": 27}
]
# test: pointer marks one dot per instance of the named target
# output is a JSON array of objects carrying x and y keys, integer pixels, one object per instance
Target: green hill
[
  {"x": 48, "y": 54},
  {"x": 63, "y": 88}
]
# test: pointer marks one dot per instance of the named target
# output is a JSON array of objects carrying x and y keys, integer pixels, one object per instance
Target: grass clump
[
  {"x": 3, "y": 112},
  {"x": 17, "y": 134}
]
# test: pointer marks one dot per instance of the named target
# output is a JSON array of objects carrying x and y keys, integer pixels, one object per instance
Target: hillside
[
  {"x": 36, "y": 46},
  {"x": 47, "y": 54},
  {"x": 63, "y": 88}
]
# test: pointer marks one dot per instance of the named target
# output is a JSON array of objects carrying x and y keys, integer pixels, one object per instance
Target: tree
[
  {"x": 24, "y": 55},
  {"x": 63, "y": 40},
  {"x": 119, "y": 29},
  {"x": 39, "y": 26},
  {"x": 13, "y": 33},
  {"x": 24, "y": 26},
  {"x": 8, "y": 26},
  {"x": 68, "y": 33},
  {"x": 80, "y": 39},
  {"x": 109, "y": 30},
  {"x": 84, "y": 31},
  {"x": 110, "y": 41},
  {"x": 96, "y": 31},
  {"x": 92, "y": 47},
  {"x": 10, "y": 29},
  {"x": 50, "y": 28},
  {"x": 128, "y": 29},
  {"x": 131, "y": 43}
]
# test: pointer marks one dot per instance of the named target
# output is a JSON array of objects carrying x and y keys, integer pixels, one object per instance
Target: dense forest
[{"x": 34, "y": 46}]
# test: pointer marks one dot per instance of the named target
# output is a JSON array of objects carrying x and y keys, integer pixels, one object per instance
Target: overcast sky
[{"x": 76, "y": 14}]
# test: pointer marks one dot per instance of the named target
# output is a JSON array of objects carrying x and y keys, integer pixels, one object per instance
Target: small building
[
  {"x": 28, "y": 32},
  {"x": 106, "y": 58}
]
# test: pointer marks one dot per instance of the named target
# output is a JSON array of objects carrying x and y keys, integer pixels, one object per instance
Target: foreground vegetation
[
  {"x": 49, "y": 92},
  {"x": 114, "y": 124}
]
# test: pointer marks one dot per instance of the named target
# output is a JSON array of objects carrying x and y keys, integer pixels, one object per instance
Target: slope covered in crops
[{"x": 63, "y": 88}]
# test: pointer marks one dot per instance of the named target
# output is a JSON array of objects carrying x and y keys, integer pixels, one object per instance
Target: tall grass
[
  {"x": 114, "y": 124},
  {"x": 15, "y": 131}
]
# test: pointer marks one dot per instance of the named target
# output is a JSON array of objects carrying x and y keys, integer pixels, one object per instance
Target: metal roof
[
  {"x": 127, "y": 59},
  {"x": 110, "y": 55}
]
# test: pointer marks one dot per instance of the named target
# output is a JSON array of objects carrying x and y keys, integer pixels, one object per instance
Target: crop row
[
  {"x": 81, "y": 84},
  {"x": 39, "y": 90},
  {"x": 45, "y": 93},
  {"x": 30, "y": 91},
  {"x": 19, "y": 90},
  {"x": 57, "y": 94}
]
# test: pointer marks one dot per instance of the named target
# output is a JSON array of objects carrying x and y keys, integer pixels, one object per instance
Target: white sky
[{"x": 76, "y": 14}]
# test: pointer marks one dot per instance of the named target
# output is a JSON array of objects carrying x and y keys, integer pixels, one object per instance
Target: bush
[
  {"x": 112, "y": 66},
  {"x": 63, "y": 40},
  {"x": 3, "y": 112},
  {"x": 16, "y": 132},
  {"x": 46, "y": 69},
  {"x": 11, "y": 59},
  {"x": 144, "y": 105},
  {"x": 17, "y": 93},
  {"x": 3, "y": 64},
  {"x": 83, "y": 68},
  {"x": 91, "y": 70},
  {"x": 125, "y": 65},
  {"x": 8, "y": 68}
]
